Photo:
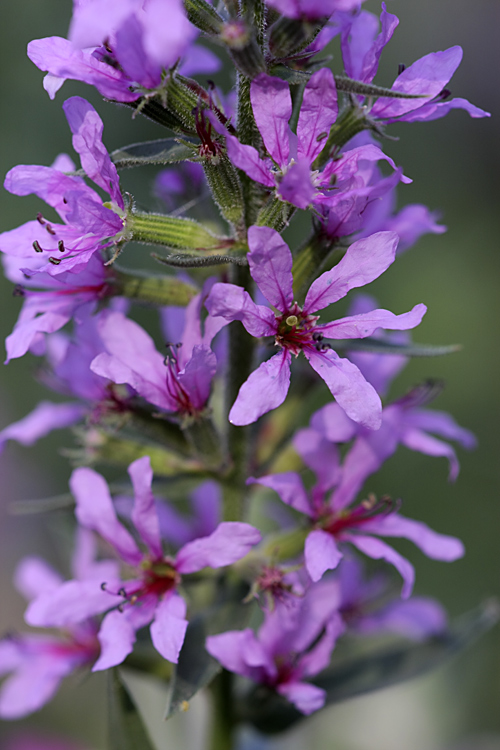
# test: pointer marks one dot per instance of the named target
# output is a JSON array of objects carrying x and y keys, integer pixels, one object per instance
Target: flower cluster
[{"x": 170, "y": 550}]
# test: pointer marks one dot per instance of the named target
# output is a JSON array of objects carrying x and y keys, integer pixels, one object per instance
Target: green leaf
[
  {"x": 162, "y": 151},
  {"x": 198, "y": 261},
  {"x": 350, "y": 86},
  {"x": 270, "y": 713},
  {"x": 196, "y": 668},
  {"x": 126, "y": 730},
  {"x": 343, "y": 83},
  {"x": 385, "y": 347}
]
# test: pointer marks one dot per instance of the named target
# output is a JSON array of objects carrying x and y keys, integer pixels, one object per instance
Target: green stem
[
  {"x": 241, "y": 351},
  {"x": 311, "y": 260},
  {"x": 223, "y": 723},
  {"x": 351, "y": 122}
]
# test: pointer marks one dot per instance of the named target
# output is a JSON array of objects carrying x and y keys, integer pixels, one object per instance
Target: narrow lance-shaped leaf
[
  {"x": 126, "y": 730},
  {"x": 161, "y": 151},
  {"x": 198, "y": 261},
  {"x": 385, "y": 347},
  {"x": 343, "y": 83}
]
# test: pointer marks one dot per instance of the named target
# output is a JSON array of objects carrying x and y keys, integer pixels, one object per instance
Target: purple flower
[
  {"x": 68, "y": 371},
  {"x": 311, "y": 10},
  {"x": 364, "y": 608},
  {"x": 290, "y": 169},
  {"x": 61, "y": 298},
  {"x": 88, "y": 224},
  {"x": 404, "y": 421},
  {"x": 37, "y": 663},
  {"x": 428, "y": 77},
  {"x": 295, "y": 642},
  {"x": 120, "y": 48},
  {"x": 179, "y": 383},
  {"x": 410, "y": 223},
  {"x": 296, "y": 329},
  {"x": 151, "y": 597},
  {"x": 335, "y": 522}
]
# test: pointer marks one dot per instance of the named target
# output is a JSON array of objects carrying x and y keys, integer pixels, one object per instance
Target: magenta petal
[
  {"x": 144, "y": 515},
  {"x": 332, "y": 422},
  {"x": 296, "y": 186},
  {"x": 72, "y": 602},
  {"x": 417, "y": 440},
  {"x": 42, "y": 420},
  {"x": 289, "y": 487},
  {"x": 169, "y": 627},
  {"x": 442, "y": 424},
  {"x": 117, "y": 638},
  {"x": 304, "y": 696},
  {"x": 434, "y": 545},
  {"x": 34, "y": 577},
  {"x": 379, "y": 550},
  {"x": 62, "y": 60},
  {"x": 361, "y": 326},
  {"x": 272, "y": 108},
  {"x": 317, "y": 114},
  {"x": 320, "y": 553},
  {"x": 363, "y": 262},
  {"x": 234, "y": 303},
  {"x": 248, "y": 160},
  {"x": 94, "y": 510},
  {"x": 196, "y": 378},
  {"x": 427, "y": 76},
  {"x": 229, "y": 542},
  {"x": 265, "y": 389},
  {"x": 87, "y": 127},
  {"x": 25, "y": 334},
  {"x": 436, "y": 110},
  {"x": 117, "y": 633},
  {"x": 353, "y": 393},
  {"x": 417, "y": 618},
  {"x": 270, "y": 263},
  {"x": 231, "y": 650},
  {"x": 33, "y": 685}
]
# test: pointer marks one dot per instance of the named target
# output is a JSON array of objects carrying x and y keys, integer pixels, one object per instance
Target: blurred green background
[{"x": 455, "y": 164}]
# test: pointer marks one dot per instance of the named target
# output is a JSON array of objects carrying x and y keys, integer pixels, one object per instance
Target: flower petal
[
  {"x": 352, "y": 392},
  {"x": 265, "y": 389},
  {"x": 272, "y": 108},
  {"x": 289, "y": 487},
  {"x": 229, "y": 542},
  {"x": 320, "y": 553},
  {"x": 304, "y": 696},
  {"x": 434, "y": 545},
  {"x": 363, "y": 262},
  {"x": 234, "y": 303},
  {"x": 144, "y": 515},
  {"x": 379, "y": 550},
  {"x": 361, "y": 326},
  {"x": 94, "y": 510},
  {"x": 87, "y": 127},
  {"x": 169, "y": 627},
  {"x": 270, "y": 263},
  {"x": 317, "y": 114}
]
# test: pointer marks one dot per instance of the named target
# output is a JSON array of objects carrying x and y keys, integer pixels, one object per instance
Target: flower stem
[
  {"x": 241, "y": 350},
  {"x": 223, "y": 724}
]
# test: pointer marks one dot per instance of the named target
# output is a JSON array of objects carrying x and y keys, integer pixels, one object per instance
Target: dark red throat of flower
[{"x": 366, "y": 511}]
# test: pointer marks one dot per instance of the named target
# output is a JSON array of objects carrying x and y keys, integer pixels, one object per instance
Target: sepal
[{"x": 174, "y": 232}]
